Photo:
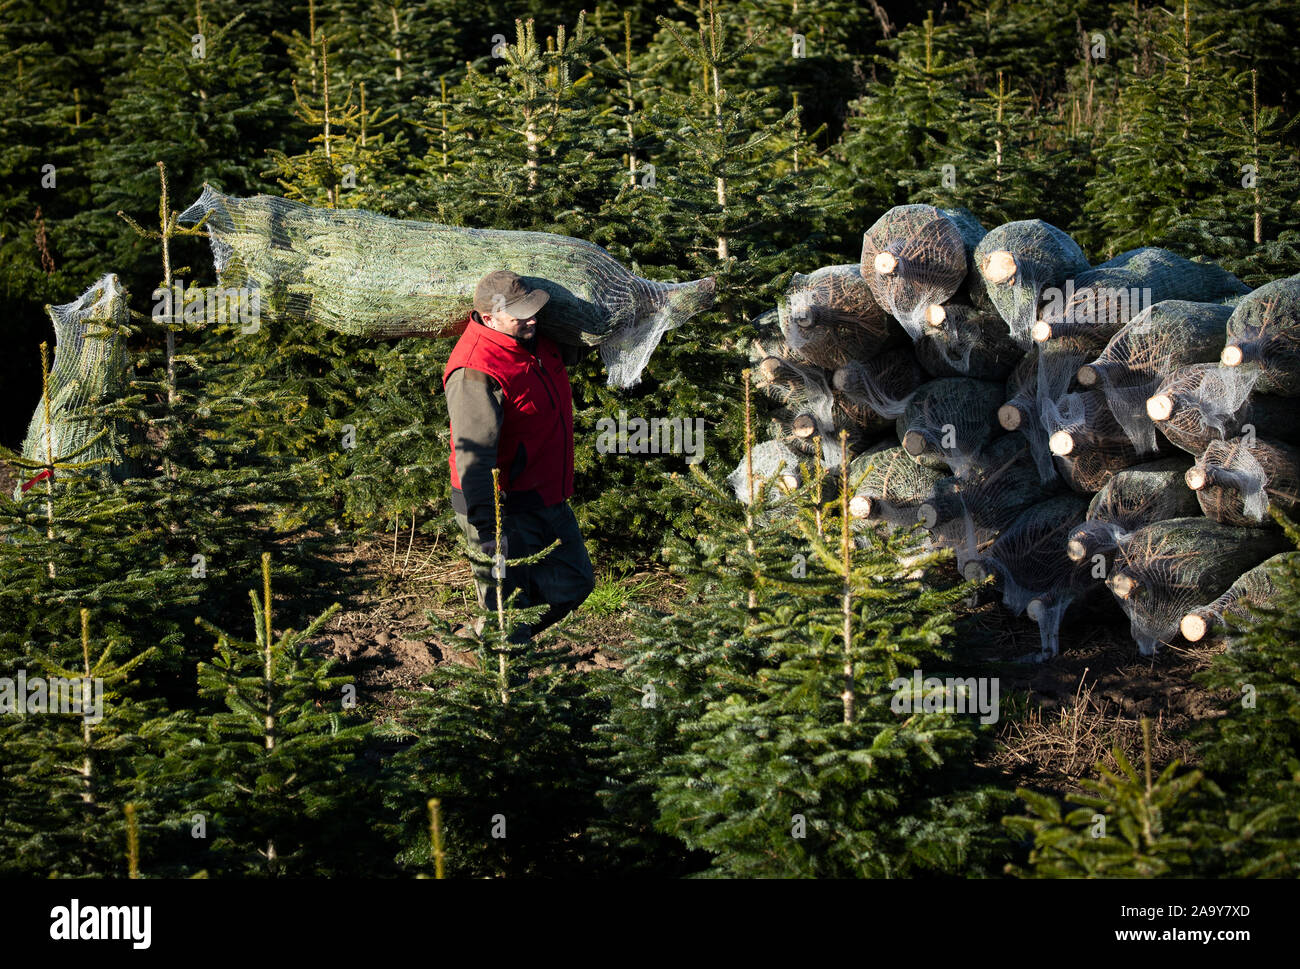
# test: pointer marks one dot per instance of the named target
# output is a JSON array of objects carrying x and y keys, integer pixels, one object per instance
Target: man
[{"x": 511, "y": 407}]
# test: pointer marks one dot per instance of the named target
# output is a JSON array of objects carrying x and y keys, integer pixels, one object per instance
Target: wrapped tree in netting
[
  {"x": 973, "y": 291},
  {"x": 962, "y": 341},
  {"x": 883, "y": 384},
  {"x": 889, "y": 486},
  {"x": 1255, "y": 588},
  {"x": 811, "y": 429},
  {"x": 820, "y": 347},
  {"x": 90, "y": 363},
  {"x": 777, "y": 377},
  {"x": 1104, "y": 298},
  {"x": 1133, "y": 498},
  {"x": 968, "y": 512},
  {"x": 774, "y": 470},
  {"x": 828, "y": 343},
  {"x": 829, "y": 316},
  {"x": 1168, "y": 568},
  {"x": 1032, "y": 571},
  {"x": 948, "y": 421},
  {"x": 1038, "y": 381},
  {"x": 862, "y": 421},
  {"x": 1264, "y": 334},
  {"x": 365, "y": 274},
  {"x": 915, "y": 256},
  {"x": 767, "y": 340},
  {"x": 1089, "y": 445},
  {"x": 1159, "y": 340},
  {"x": 1022, "y": 384},
  {"x": 1018, "y": 261},
  {"x": 811, "y": 415},
  {"x": 1208, "y": 402},
  {"x": 1236, "y": 480}
]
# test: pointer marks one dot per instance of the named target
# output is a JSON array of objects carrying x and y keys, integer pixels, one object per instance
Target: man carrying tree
[{"x": 511, "y": 407}]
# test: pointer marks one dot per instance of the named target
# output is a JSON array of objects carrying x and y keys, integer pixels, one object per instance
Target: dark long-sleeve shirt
[{"x": 476, "y": 405}]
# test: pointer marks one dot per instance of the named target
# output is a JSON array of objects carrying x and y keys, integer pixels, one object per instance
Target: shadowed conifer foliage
[{"x": 869, "y": 192}]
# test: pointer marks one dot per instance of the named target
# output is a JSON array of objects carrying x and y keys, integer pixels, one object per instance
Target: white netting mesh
[
  {"x": 834, "y": 295},
  {"x": 1255, "y": 588},
  {"x": 948, "y": 421},
  {"x": 1264, "y": 332},
  {"x": 970, "y": 511},
  {"x": 889, "y": 486},
  {"x": 1239, "y": 477},
  {"x": 90, "y": 361},
  {"x": 1168, "y": 568},
  {"x": 962, "y": 341},
  {"x": 776, "y": 473},
  {"x": 915, "y": 256},
  {"x": 884, "y": 383},
  {"x": 1039, "y": 380},
  {"x": 1134, "y": 497},
  {"x": 828, "y": 343},
  {"x": 362, "y": 273},
  {"x": 1026, "y": 258},
  {"x": 1088, "y": 444},
  {"x": 1098, "y": 302},
  {"x": 810, "y": 416},
  {"x": 1159, "y": 340},
  {"x": 1202, "y": 403},
  {"x": 1028, "y": 559}
]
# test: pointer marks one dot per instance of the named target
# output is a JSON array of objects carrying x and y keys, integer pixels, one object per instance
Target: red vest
[{"x": 538, "y": 409}]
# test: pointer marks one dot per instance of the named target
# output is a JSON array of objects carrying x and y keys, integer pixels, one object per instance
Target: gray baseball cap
[{"x": 502, "y": 291}]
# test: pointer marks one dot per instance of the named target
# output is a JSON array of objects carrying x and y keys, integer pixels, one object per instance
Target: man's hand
[{"x": 489, "y": 547}]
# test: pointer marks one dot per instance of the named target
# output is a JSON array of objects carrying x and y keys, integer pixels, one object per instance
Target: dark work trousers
[{"x": 562, "y": 580}]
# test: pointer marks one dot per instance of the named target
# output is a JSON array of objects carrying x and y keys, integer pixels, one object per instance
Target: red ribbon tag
[{"x": 40, "y": 477}]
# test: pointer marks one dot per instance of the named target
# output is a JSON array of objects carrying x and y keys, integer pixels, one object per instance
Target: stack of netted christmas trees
[{"x": 1061, "y": 426}]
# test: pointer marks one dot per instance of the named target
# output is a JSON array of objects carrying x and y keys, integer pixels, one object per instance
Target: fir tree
[
  {"x": 901, "y": 131},
  {"x": 1003, "y": 169},
  {"x": 726, "y": 172},
  {"x": 1251, "y": 751},
  {"x": 273, "y": 770},
  {"x": 1127, "y": 825},
  {"x": 71, "y": 764},
  {"x": 74, "y": 536},
  {"x": 1160, "y": 156},
  {"x": 525, "y": 149},
  {"x": 680, "y": 661},
  {"x": 806, "y": 770},
  {"x": 504, "y": 743},
  {"x": 349, "y": 166},
  {"x": 1248, "y": 225},
  {"x": 221, "y": 489},
  {"x": 195, "y": 96}
]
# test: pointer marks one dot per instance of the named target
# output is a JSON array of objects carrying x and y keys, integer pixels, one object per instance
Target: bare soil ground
[
  {"x": 8, "y": 478},
  {"x": 384, "y": 641},
  {"x": 1063, "y": 716},
  {"x": 1059, "y": 718}
]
